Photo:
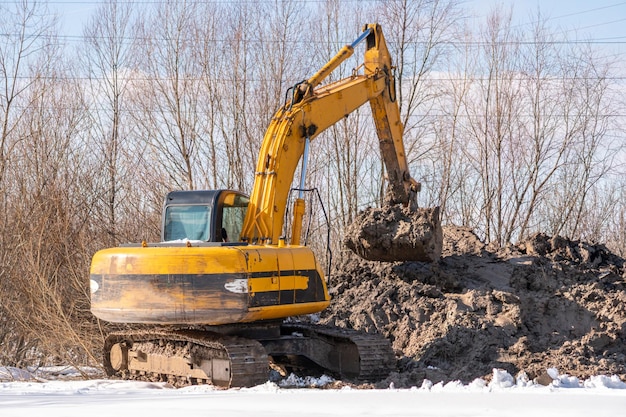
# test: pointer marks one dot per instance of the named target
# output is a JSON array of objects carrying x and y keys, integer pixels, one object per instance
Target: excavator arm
[{"x": 311, "y": 110}]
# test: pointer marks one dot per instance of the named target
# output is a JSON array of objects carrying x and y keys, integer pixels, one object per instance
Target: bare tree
[
  {"x": 241, "y": 135},
  {"x": 214, "y": 77},
  {"x": 593, "y": 151},
  {"x": 615, "y": 235},
  {"x": 535, "y": 123},
  {"x": 448, "y": 170},
  {"x": 419, "y": 35},
  {"x": 514, "y": 132},
  {"x": 108, "y": 58},
  {"x": 346, "y": 149},
  {"x": 26, "y": 33},
  {"x": 48, "y": 302},
  {"x": 166, "y": 113}
]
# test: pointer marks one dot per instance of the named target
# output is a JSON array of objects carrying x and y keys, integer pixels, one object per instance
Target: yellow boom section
[{"x": 310, "y": 112}]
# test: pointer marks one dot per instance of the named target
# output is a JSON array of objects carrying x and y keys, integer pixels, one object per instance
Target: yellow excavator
[{"x": 209, "y": 303}]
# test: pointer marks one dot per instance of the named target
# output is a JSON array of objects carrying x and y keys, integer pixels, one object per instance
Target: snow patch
[
  {"x": 9, "y": 373},
  {"x": 426, "y": 384},
  {"x": 501, "y": 379},
  {"x": 553, "y": 372},
  {"x": 477, "y": 384},
  {"x": 294, "y": 381},
  {"x": 266, "y": 387},
  {"x": 603, "y": 381}
]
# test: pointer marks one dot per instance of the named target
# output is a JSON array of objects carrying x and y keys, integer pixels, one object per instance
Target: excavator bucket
[{"x": 396, "y": 233}]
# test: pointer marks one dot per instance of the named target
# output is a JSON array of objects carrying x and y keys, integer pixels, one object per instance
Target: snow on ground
[{"x": 22, "y": 394}]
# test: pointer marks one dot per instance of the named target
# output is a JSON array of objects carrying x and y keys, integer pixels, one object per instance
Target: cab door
[{"x": 231, "y": 211}]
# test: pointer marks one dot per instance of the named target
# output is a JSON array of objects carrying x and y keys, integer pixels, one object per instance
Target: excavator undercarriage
[{"x": 189, "y": 357}]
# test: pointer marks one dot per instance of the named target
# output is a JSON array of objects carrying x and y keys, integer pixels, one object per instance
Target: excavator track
[
  {"x": 346, "y": 353},
  {"x": 186, "y": 357},
  {"x": 189, "y": 357}
]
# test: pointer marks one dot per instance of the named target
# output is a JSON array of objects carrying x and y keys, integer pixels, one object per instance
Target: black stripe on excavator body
[
  {"x": 112, "y": 286},
  {"x": 313, "y": 293}
]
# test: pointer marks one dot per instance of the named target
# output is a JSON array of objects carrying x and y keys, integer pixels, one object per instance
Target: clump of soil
[
  {"x": 545, "y": 302},
  {"x": 396, "y": 233}
]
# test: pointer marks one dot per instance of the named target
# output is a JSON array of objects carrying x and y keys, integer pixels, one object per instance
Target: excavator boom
[{"x": 311, "y": 111}]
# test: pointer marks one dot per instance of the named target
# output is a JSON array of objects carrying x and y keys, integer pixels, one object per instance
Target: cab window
[{"x": 187, "y": 222}]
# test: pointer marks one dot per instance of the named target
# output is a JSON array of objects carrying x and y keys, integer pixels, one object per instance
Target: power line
[
  {"x": 595, "y": 9},
  {"x": 152, "y": 2},
  {"x": 554, "y": 78},
  {"x": 586, "y": 11},
  {"x": 481, "y": 115},
  {"x": 614, "y": 41},
  {"x": 596, "y": 25},
  {"x": 591, "y": 10},
  {"x": 618, "y": 40}
]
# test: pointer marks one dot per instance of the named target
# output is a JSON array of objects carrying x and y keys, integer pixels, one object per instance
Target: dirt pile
[
  {"x": 546, "y": 302},
  {"x": 396, "y": 233}
]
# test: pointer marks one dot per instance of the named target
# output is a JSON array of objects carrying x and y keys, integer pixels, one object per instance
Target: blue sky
[
  {"x": 599, "y": 19},
  {"x": 602, "y": 22}
]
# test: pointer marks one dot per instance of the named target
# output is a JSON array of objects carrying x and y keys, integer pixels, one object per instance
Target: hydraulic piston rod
[{"x": 343, "y": 54}]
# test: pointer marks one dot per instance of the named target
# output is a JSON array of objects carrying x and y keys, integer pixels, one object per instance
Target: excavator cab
[{"x": 203, "y": 215}]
